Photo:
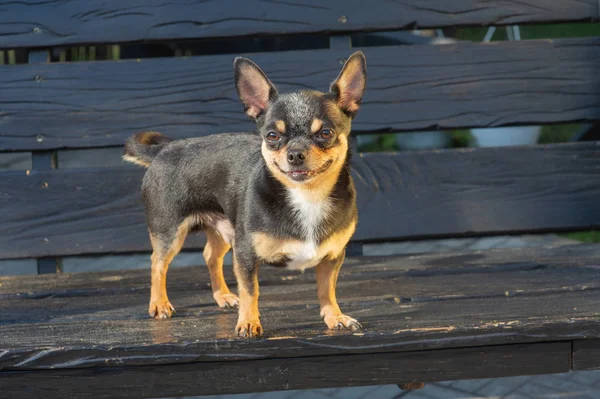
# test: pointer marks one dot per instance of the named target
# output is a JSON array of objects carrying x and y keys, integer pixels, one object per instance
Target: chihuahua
[{"x": 282, "y": 196}]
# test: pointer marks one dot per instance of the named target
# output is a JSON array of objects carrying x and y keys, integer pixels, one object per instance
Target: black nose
[{"x": 295, "y": 157}]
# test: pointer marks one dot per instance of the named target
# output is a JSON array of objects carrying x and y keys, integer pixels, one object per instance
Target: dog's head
[{"x": 305, "y": 133}]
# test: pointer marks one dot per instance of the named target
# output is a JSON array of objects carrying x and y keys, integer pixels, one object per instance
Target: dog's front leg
[
  {"x": 327, "y": 274},
  {"x": 246, "y": 273}
]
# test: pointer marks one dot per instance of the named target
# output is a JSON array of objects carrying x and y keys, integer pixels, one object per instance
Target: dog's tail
[{"x": 141, "y": 148}]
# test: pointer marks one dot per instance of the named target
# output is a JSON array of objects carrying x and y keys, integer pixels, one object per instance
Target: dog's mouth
[{"x": 304, "y": 174}]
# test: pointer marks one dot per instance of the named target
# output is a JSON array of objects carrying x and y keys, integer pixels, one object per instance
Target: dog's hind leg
[
  {"x": 214, "y": 252},
  {"x": 165, "y": 246}
]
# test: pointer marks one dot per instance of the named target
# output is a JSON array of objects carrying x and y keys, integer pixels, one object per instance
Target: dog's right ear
[{"x": 254, "y": 88}]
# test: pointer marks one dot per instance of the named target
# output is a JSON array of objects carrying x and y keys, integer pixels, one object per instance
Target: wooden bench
[{"x": 429, "y": 317}]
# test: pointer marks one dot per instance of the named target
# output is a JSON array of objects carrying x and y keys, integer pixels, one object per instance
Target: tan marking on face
[
  {"x": 336, "y": 115},
  {"x": 280, "y": 126},
  {"x": 271, "y": 157},
  {"x": 321, "y": 184},
  {"x": 272, "y": 249},
  {"x": 316, "y": 125}
]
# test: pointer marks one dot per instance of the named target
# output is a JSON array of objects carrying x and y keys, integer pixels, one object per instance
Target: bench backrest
[{"x": 47, "y": 107}]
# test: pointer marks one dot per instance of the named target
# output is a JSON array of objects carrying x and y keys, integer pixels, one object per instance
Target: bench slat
[
  {"x": 402, "y": 195},
  {"x": 443, "y": 301},
  {"x": 96, "y": 104},
  {"x": 407, "y": 304},
  {"x": 586, "y": 354},
  {"x": 285, "y": 374},
  {"x": 71, "y": 22}
]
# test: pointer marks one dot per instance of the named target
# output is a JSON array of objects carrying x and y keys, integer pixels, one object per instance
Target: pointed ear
[
  {"x": 254, "y": 88},
  {"x": 350, "y": 84}
]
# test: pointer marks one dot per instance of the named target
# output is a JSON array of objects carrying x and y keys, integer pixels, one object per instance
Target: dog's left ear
[
  {"x": 254, "y": 88},
  {"x": 350, "y": 84}
]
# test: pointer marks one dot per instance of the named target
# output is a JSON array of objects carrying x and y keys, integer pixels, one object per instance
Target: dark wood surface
[
  {"x": 586, "y": 354},
  {"x": 406, "y": 304},
  {"x": 95, "y": 104},
  {"x": 67, "y": 22},
  {"x": 400, "y": 195},
  {"x": 283, "y": 374}
]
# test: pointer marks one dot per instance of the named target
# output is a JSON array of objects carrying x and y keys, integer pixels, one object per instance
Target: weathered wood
[
  {"x": 69, "y": 22},
  {"x": 47, "y": 265},
  {"x": 43, "y": 160},
  {"x": 285, "y": 374},
  {"x": 405, "y": 304},
  {"x": 586, "y": 354},
  {"x": 95, "y": 104},
  {"x": 411, "y": 386},
  {"x": 104, "y": 214},
  {"x": 403, "y": 195}
]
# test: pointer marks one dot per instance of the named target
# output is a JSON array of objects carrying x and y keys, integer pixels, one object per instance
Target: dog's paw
[
  {"x": 227, "y": 300},
  {"x": 249, "y": 328},
  {"x": 342, "y": 321},
  {"x": 161, "y": 309}
]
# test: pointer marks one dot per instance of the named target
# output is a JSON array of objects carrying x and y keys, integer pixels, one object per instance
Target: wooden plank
[
  {"x": 586, "y": 354},
  {"x": 286, "y": 374},
  {"x": 105, "y": 212},
  {"x": 95, "y": 104},
  {"x": 474, "y": 192},
  {"x": 68, "y": 22},
  {"x": 44, "y": 160},
  {"x": 415, "y": 303},
  {"x": 403, "y": 195}
]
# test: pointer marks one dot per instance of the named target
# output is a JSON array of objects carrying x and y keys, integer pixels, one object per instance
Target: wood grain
[
  {"x": 415, "y": 303},
  {"x": 586, "y": 354},
  {"x": 400, "y": 196},
  {"x": 95, "y": 104},
  {"x": 285, "y": 374},
  {"x": 69, "y": 22}
]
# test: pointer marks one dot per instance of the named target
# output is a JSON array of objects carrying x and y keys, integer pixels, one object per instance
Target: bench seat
[{"x": 427, "y": 318}]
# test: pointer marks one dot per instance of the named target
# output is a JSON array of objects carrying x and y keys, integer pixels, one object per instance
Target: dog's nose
[{"x": 296, "y": 157}]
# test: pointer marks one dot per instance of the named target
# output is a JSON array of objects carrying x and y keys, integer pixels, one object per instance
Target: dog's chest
[
  {"x": 309, "y": 213},
  {"x": 300, "y": 254}
]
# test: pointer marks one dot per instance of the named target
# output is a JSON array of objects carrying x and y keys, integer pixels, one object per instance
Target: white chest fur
[
  {"x": 303, "y": 256},
  {"x": 310, "y": 212}
]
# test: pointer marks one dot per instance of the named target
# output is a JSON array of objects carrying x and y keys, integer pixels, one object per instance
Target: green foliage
[
  {"x": 384, "y": 143},
  {"x": 461, "y": 138},
  {"x": 553, "y": 31},
  {"x": 543, "y": 31},
  {"x": 584, "y": 236},
  {"x": 558, "y": 133}
]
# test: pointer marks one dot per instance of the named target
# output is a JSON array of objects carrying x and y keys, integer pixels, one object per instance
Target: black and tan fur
[{"x": 282, "y": 196}]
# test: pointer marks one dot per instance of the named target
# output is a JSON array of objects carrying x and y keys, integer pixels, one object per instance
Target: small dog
[{"x": 282, "y": 197}]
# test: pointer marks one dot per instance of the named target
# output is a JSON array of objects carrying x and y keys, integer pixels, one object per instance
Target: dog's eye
[
  {"x": 326, "y": 134},
  {"x": 273, "y": 136}
]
